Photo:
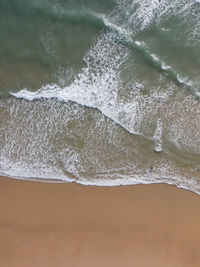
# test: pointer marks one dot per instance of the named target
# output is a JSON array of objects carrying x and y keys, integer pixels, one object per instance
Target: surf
[{"x": 124, "y": 100}]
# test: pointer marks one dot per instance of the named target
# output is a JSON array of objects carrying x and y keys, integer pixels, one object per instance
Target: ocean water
[{"x": 100, "y": 92}]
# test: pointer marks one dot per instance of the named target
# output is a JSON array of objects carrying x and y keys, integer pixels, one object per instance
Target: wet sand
[{"x": 44, "y": 225}]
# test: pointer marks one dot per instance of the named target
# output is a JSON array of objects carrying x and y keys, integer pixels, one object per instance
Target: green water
[{"x": 40, "y": 38}]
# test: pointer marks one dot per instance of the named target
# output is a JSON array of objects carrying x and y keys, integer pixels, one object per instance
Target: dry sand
[{"x": 58, "y": 225}]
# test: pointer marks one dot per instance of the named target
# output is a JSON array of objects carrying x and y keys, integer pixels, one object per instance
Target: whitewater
[{"x": 103, "y": 94}]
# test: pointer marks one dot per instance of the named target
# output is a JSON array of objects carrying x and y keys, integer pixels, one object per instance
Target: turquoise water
[{"x": 100, "y": 92}]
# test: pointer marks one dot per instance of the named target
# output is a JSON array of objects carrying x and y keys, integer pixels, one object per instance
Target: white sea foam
[
  {"x": 141, "y": 13},
  {"x": 163, "y": 174},
  {"x": 158, "y": 136},
  {"x": 97, "y": 85}
]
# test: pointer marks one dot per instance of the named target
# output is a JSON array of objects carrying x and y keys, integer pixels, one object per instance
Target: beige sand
[{"x": 58, "y": 225}]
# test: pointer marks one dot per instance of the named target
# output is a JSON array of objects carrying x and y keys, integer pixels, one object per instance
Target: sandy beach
[{"x": 72, "y": 225}]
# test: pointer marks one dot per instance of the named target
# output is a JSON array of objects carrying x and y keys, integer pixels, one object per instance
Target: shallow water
[{"x": 101, "y": 92}]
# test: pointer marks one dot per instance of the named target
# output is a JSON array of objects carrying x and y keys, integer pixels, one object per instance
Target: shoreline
[
  {"x": 63, "y": 224},
  {"x": 62, "y": 181}
]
